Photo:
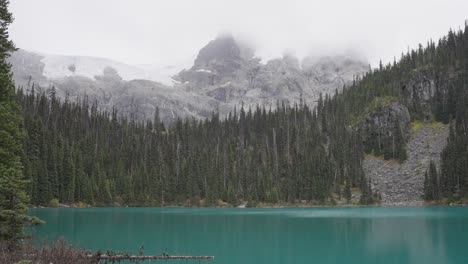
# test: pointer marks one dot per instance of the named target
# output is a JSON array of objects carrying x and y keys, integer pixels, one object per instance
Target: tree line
[{"x": 74, "y": 152}]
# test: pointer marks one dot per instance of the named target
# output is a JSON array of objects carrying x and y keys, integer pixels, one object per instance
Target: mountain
[
  {"x": 101, "y": 81},
  {"x": 53, "y": 67},
  {"x": 397, "y": 135},
  {"x": 228, "y": 72},
  {"x": 225, "y": 75}
]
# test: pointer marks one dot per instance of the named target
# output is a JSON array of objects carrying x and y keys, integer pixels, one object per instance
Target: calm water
[{"x": 284, "y": 235}]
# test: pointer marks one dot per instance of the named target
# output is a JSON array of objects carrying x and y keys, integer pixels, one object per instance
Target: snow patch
[
  {"x": 175, "y": 81},
  {"x": 59, "y": 66},
  {"x": 254, "y": 93},
  {"x": 204, "y": 70},
  {"x": 225, "y": 84}
]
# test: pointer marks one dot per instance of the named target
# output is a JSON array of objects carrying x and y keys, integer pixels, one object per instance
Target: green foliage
[
  {"x": 13, "y": 198},
  {"x": 35, "y": 221},
  {"x": 431, "y": 183},
  {"x": 378, "y": 103},
  {"x": 367, "y": 196},
  {"x": 24, "y": 262},
  {"x": 416, "y": 125},
  {"x": 347, "y": 191},
  {"x": 54, "y": 203}
]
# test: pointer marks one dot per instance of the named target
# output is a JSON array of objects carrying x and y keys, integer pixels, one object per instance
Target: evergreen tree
[
  {"x": 428, "y": 188},
  {"x": 434, "y": 181},
  {"x": 13, "y": 197}
]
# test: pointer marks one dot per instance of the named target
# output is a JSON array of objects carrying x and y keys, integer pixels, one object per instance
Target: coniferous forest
[{"x": 73, "y": 152}]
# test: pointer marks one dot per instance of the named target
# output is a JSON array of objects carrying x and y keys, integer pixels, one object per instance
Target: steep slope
[{"x": 402, "y": 184}]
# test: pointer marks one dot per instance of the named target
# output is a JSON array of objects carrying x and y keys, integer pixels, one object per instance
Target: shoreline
[{"x": 265, "y": 206}]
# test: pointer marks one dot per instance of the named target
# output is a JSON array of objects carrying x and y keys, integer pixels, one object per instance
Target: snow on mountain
[
  {"x": 225, "y": 74},
  {"x": 59, "y": 66}
]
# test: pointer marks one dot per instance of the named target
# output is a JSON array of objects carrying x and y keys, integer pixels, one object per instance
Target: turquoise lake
[{"x": 269, "y": 235}]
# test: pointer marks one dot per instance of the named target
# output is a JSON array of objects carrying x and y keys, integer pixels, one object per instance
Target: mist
[{"x": 172, "y": 32}]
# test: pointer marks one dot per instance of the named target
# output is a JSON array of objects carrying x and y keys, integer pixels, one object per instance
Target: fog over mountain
[
  {"x": 137, "y": 57},
  {"x": 171, "y": 32},
  {"x": 225, "y": 75}
]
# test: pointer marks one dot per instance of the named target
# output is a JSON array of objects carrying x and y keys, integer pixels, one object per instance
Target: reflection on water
[
  {"x": 411, "y": 240},
  {"x": 283, "y": 235}
]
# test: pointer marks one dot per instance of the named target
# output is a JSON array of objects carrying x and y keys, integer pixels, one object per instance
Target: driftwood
[{"x": 143, "y": 257}]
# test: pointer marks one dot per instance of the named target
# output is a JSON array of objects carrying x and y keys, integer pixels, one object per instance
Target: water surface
[{"x": 277, "y": 235}]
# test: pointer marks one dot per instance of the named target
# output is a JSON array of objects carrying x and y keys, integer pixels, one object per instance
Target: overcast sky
[{"x": 170, "y": 32}]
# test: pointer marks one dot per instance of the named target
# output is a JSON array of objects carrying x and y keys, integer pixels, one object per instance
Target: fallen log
[{"x": 143, "y": 257}]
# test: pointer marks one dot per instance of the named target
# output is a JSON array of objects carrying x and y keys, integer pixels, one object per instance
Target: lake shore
[{"x": 443, "y": 202}]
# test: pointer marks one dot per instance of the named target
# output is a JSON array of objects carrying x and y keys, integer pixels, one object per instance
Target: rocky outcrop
[
  {"x": 381, "y": 122},
  {"x": 386, "y": 128},
  {"x": 402, "y": 183},
  {"x": 417, "y": 94},
  {"x": 222, "y": 56}
]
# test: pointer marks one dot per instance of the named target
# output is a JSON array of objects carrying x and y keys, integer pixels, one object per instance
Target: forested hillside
[
  {"x": 432, "y": 83},
  {"x": 73, "y": 152}
]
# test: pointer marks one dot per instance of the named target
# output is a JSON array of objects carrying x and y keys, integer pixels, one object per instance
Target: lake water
[{"x": 277, "y": 235}]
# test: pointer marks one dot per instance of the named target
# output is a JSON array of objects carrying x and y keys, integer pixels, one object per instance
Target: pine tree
[
  {"x": 428, "y": 188},
  {"x": 400, "y": 143},
  {"x": 347, "y": 190},
  {"x": 13, "y": 198},
  {"x": 434, "y": 181}
]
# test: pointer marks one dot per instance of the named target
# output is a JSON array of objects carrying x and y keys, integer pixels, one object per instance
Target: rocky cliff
[
  {"x": 228, "y": 72},
  {"x": 386, "y": 128}
]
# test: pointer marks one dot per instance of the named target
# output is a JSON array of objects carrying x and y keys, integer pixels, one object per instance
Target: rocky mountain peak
[
  {"x": 222, "y": 54},
  {"x": 291, "y": 60}
]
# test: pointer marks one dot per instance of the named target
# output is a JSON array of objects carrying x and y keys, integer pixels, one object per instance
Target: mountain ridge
[{"x": 225, "y": 75}]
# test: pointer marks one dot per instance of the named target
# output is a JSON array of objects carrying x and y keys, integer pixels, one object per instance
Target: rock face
[
  {"x": 418, "y": 93},
  {"x": 402, "y": 184},
  {"x": 386, "y": 128},
  {"x": 228, "y": 72},
  {"x": 382, "y": 123},
  {"x": 224, "y": 75},
  {"x": 136, "y": 98}
]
